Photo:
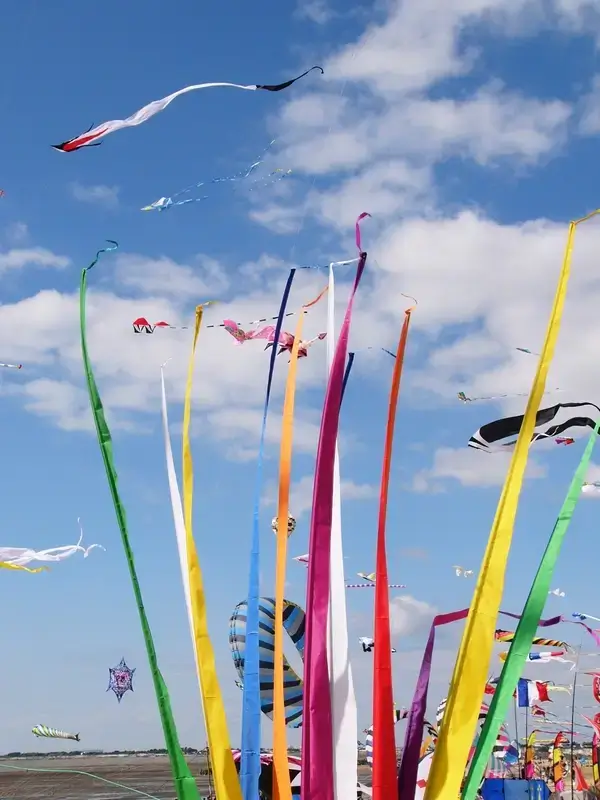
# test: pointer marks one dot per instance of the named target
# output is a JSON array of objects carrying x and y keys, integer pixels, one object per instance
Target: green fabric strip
[
  {"x": 526, "y": 629},
  {"x": 185, "y": 785}
]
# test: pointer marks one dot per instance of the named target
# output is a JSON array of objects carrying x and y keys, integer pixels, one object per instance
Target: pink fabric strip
[
  {"x": 357, "y": 231},
  {"x": 317, "y": 730}
]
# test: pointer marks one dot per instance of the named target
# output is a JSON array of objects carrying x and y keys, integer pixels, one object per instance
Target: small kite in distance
[
  {"x": 301, "y": 559},
  {"x": 53, "y": 733},
  {"x": 557, "y": 593},
  {"x": 12, "y": 366},
  {"x": 465, "y": 399},
  {"x": 368, "y": 644},
  {"x": 120, "y": 679},
  {"x": 591, "y": 488},
  {"x": 370, "y": 578},
  {"x": 583, "y": 617},
  {"x": 544, "y": 657},
  {"x": 90, "y": 137},
  {"x": 291, "y": 525},
  {"x": 461, "y": 572},
  {"x": 367, "y": 576},
  {"x": 141, "y": 325},
  {"x": 164, "y": 203}
]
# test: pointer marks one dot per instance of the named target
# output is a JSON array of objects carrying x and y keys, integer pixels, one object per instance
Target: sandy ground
[{"x": 61, "y": 778}]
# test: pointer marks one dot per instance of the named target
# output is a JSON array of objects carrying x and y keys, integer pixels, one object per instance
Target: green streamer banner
[
  {"x": 185, "y": 785},
  {"x": 527, "y": 627}
]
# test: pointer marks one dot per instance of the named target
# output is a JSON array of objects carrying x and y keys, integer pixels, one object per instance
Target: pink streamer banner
[{"x": 317, "y": 730}]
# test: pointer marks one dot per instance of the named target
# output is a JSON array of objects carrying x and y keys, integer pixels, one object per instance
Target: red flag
[{"x": 542, "y": 689}]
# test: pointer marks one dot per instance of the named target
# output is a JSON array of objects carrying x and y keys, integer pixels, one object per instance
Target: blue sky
[{"x": 470, "y": 134}]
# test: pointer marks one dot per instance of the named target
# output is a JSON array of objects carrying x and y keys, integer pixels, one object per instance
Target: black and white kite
[
  {"x": 550, "y": 423},
  {"x": 368, "y": 644}
]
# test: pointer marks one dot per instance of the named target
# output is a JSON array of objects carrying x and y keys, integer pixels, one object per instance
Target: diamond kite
[{"x": 121, "y": 679}]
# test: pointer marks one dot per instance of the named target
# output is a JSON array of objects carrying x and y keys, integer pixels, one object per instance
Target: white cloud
[
  {"x": 589, "y": 124},
  {"x": 18, "y": 258},
  {"x": 317, "y": 11},
  {"x": 374, "y": 107},
  {"x": 470, "y": 468},
  {"x": 17, "y": 233},
  {"x": 68, "y": 406},
  {"x": 98, "y": 194},
  {"x": 409, "y": 615},
  {"x": 489, "y": 283},
  {"x": 301, "y": 494},
  {"x": 163, "y": 276}
]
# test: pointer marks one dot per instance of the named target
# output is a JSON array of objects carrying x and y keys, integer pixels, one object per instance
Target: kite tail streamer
[
  {"x": 348, "y": 370},
  {"x": 384, "y": 743},
  {"x": 280, "y": 760},
  {"x": 184, "y": 783},
  {"x": 343, "y": 698},
  {"x": 595, "y": 765},
  {"x": 177, "y": 510},
  {"x": 317, "y": 744},
  {"x": 409, "y": 766},
  {"x": 470, "y": 670},
  {"x": 7, "y": 565},
  {"x": 251, "y": 714},
  {"x": 227, "y": 785},
  {"x": 523, "y": 636}
]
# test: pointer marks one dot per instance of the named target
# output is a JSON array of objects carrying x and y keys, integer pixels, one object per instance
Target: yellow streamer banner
[
  {"x": 6, "y": 565},
  {"x": 471, "y": 668},
  {"x": 282, "y": 785},
  {"x": 227, "y": 785}
]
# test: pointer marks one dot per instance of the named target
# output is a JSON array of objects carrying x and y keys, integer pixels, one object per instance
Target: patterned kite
[
  {"x": 488, "y": 436},
  {"x": 291, "y": 524},
  {"x": 120, "y": 679},
  {"x": 294, "y": 625},
  {"x": 242, "y": 336},
  {"x": 53, "y": 733},
  {"x": 398, "y": 715},
  {"x": 141, "y": 325},
  {"x": 508, "y": 636},
  {"x": 286, "y": 343},
  {"x": 90, "y": 137}
]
